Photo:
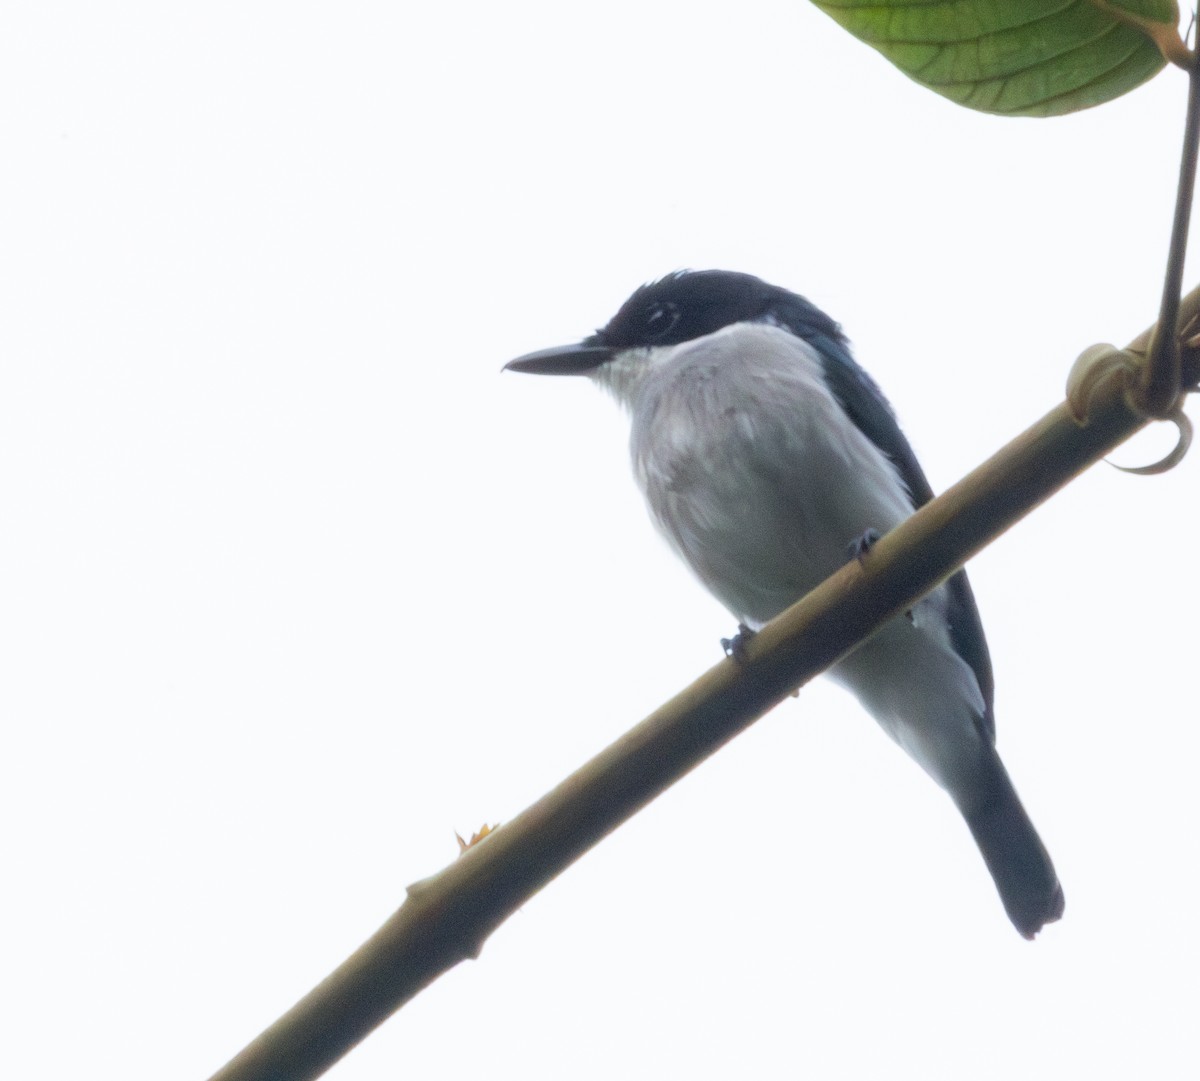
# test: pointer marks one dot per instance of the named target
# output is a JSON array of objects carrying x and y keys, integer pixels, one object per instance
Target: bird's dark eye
[{"x": 660, "y": 320}]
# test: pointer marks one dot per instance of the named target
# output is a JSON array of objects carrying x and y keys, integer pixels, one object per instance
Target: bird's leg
[
  {"x": 860, "y": 546},
  {"x": 735, "y": 647},
  {"x": 858, "y": 549}
]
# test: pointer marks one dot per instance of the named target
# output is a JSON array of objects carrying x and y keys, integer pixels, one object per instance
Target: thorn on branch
[{"x": 483, "y": 832}]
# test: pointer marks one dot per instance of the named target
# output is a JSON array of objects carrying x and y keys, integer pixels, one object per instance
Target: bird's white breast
[{"x": 751, "y": 468}]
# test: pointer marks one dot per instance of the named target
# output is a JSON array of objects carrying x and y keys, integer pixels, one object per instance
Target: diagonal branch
[{"x": 447, "y": 918}]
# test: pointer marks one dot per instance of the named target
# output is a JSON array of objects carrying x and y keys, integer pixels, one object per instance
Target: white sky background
[{"x": 293, "y": 584}]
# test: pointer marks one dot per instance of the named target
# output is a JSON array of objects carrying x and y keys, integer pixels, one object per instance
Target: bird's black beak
[{"x": 562, "y": 360}]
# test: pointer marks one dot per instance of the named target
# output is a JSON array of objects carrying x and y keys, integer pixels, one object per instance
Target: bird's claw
[
  {"x": 860, "y": 546},
  {"x": 735, "y": 647}
]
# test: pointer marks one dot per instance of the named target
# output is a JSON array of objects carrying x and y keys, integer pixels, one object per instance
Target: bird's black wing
[{"x": 866, "y": 406}]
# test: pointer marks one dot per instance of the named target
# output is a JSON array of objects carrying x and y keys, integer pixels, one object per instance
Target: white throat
[{"x": 624, "y": 374}]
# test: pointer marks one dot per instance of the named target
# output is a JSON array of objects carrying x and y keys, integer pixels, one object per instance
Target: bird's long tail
[{"x": 1013, "y": 851}]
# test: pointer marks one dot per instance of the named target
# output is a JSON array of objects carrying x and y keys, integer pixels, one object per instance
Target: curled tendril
[
  {"x": 1180, "y": 419},
  {"x": 1093, "y": 367}
]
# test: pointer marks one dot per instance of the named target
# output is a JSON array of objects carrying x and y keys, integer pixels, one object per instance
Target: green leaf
[{"x": 1015, "y": 57}]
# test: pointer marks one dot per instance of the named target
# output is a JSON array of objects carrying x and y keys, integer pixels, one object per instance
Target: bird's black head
[
  {"x": 693, "y": 303},
  {"x": 682, "y": 307}
]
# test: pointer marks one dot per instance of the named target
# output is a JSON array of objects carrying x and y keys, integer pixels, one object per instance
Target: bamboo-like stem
[
  {"x": 447, "y": 918},
  {"x": 1158, "y": 387}
]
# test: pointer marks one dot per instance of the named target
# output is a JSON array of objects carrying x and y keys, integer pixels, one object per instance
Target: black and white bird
[{"x": 766, "y": 455}]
